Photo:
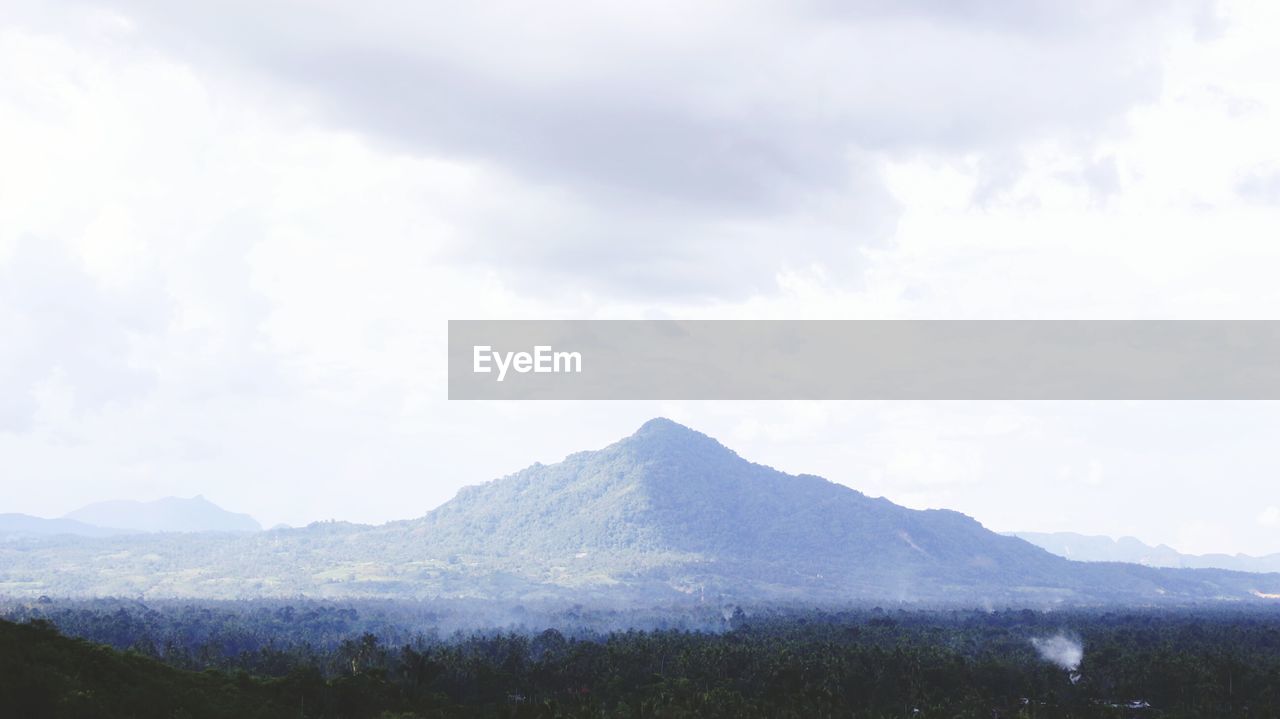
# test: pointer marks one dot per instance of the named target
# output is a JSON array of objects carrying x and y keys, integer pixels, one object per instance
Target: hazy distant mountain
[
  {"x": 665, "y": 514},
  {"x": 170, "y": 514},
  {"x": 25, "y": 525},
  {"x": 1087, "y": 548}
]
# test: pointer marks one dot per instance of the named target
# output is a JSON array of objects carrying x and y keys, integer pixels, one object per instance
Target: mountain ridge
[
  {"x": 14, "y": 524},
  {"x": 168, "y": 514},
  {"x": 1100, "y": 548},
  {"x": 665, "y": 514},
  {"x": 120, "y": 517}
]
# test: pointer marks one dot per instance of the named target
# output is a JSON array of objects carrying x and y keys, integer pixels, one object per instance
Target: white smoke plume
[{"x": 1061, "y": 650}]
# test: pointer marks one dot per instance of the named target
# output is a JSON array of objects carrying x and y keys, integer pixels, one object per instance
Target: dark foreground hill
[
  {"x": 43, "y": 674},
  {"x": 667, "y": 513}
]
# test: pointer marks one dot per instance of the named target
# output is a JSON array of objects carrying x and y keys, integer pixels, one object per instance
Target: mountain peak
[
  {"x": 662, "y": 425},
  {"x": 661, "y": 441},
  {"x": 664, "y": 435}
]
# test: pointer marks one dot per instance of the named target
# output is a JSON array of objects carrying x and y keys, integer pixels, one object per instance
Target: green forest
[{"x": 315, "y": 659}]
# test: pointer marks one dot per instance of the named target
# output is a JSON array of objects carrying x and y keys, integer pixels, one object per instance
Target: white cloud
[
  {"x": 228, "y": 249},
  {"x": 736, "y": 139},
  {"x": 1269, "y": 517}
]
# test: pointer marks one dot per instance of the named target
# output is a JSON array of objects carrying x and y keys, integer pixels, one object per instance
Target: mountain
[
  {"x": 1089, "y": 548},
  {"x": 666, "y": 514},
  {"x": 25, "y": 525},
  {"x": 170, "y": 514},
  {"x": 673, "y": 507},
  {"x": 669, "y": 495}
]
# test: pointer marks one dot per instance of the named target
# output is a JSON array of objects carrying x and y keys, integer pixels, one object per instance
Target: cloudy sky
[{"x": 231, "y": 235}]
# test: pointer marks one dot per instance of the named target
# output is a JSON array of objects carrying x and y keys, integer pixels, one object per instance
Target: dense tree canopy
[{"x": 324, "y": 660}]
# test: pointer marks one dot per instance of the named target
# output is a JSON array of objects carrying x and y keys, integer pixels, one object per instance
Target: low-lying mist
[{"x": 1060, "y": 649}]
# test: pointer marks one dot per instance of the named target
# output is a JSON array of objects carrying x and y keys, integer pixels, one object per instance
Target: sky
[{"x": 231, "y": 236}]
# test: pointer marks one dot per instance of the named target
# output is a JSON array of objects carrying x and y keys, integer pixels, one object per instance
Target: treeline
[{"x": 775, "y": 663}]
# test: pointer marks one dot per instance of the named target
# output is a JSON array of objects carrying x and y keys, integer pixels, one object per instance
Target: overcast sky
[{"x": 231, "y": 235}]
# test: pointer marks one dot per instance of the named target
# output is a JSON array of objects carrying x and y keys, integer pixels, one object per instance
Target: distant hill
[
  {"x": 170, "y": 514},
  {"x": 666, "y": 514},
  {"x": 1089, "y": 548},
  {"x": 25, "y": 525}
]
